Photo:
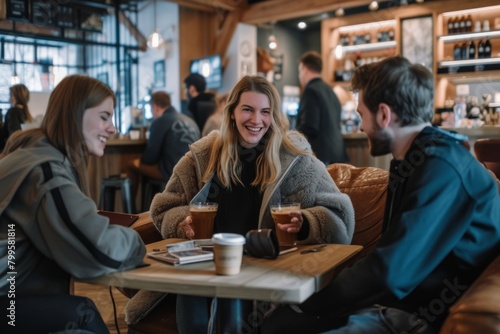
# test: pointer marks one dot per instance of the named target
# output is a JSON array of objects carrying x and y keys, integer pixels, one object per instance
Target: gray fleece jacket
[
  {"x": 303, "y": 179},
  {"x": 50, "y": 230}
]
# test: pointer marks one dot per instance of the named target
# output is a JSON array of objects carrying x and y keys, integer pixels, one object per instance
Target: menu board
[
  {"x": 66, "y": 17},
  {"x": 17, "y": 9},
  {"x": 44, "y": 13}
]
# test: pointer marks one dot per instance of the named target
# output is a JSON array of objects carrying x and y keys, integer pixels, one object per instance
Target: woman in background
[
  {"x": 50, "y": 230},
  {"x": 18, "y": 114}
]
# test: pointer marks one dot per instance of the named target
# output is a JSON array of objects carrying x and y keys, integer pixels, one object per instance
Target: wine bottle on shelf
[
  {"x": 472, "y": 50},
  {"x": 451, "y": 25},
  {"x": 357, "y": 60},
  {"x": 368, "y": 38},
  {"x": 462, "y": 24},
  {"x": 480, "y": 49},
  {"x": 468, "y": 23},
  {"x": 456, "y": 25},
  {"x": 487, "y": 49},
  {"x": 391, "y": 34},
  {"x": 457, "y": 52},
  {"x": 464, "y": 54}
]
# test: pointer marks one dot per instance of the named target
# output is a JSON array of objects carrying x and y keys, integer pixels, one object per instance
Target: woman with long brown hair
[{"x": 52, "y": 225}]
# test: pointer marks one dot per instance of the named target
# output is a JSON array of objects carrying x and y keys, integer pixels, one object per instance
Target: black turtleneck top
[{"x": 239, "y": 206}]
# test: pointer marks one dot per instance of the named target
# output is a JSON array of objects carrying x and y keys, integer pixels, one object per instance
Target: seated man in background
[
  {"x": 170, "y": 135},
  {"x": 441, "y": 223},
  {"x": 201, "y": 104}
]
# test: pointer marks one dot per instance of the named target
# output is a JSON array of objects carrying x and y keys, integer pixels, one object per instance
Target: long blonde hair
[
  {"x": 63, "y": 122},
  {"x": 22, "y": 96},
  {"x": 224, "y": 158}
]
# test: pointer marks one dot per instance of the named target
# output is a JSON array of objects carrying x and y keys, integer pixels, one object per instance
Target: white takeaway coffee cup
[{"x": 228, "y": 253}]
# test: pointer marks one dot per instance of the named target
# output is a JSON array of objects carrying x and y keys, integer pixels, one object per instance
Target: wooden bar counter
[
  {"x": 487, "y": 131},
  {"x": 359, "y": 152},
  {"x": 117, "y": 154}
]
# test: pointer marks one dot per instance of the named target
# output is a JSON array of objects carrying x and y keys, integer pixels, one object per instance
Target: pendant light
[{"x": 155, "y": 40}]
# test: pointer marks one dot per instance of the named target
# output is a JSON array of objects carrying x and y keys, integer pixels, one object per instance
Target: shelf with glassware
[{"x": 355, "y": 45}]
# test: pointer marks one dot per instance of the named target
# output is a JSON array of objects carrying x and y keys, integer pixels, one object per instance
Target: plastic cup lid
[{"x": 228, "y": 239}]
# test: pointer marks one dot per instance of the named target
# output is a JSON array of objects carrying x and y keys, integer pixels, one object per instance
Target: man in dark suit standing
[{"x": 319, "y": 112}]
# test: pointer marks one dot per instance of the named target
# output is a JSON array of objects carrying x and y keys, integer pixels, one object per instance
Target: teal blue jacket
[{"x": 441, "y": 229}]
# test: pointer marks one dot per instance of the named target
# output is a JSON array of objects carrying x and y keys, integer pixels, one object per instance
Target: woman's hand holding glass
[
  {"x": 296, "y": 222},
  {"x": 186, "y": 227},
  {"x": 288, "y": 221}
]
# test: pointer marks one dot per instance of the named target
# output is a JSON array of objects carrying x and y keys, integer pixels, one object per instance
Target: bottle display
[
  {"x": 451, "y": 25},
  {"x": 472, "y": 50},
  {"x": 468, "y": 23},
  {"x": 480, "y": 49},
  {"x": 461, "y": 24},
  {"x": 464, "y": 54},
  {"x": 459, "y": 111},
  {"x": 487, "y": 49},
  {"x": 457, "y": 52}
]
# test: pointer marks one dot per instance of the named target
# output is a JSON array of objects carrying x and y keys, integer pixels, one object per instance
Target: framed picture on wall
[
  {"x": 417, "y": 40},
  {"x": 159, "y": 72}
]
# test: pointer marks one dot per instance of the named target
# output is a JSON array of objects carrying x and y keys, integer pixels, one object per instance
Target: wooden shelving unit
[{"x": 447, "y": 71}]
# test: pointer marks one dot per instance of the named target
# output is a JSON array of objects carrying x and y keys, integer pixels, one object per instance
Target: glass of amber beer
[
  {"x": 203, "y": 215},
  {"x": 280, "y": 212}
]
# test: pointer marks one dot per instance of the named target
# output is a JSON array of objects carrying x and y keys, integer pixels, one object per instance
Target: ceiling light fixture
[
  {"x": 155, "y": 40},
  {"x": 302, "y": 25},
  {"x": 273, "y": 43},
  {"x": 373, "y": 6},
  {"x": 339, "y": 12}
]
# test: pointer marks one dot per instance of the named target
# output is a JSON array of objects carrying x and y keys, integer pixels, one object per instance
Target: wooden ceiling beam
[
  {"x": 134, "y": 31},
  {"x": 211, "y": 5},
  {"x": 277, "y": 10},
  {"x": 226, "y": 31}
]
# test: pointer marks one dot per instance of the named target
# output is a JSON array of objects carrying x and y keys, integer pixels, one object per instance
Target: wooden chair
[{"x": 487, "y": 150}]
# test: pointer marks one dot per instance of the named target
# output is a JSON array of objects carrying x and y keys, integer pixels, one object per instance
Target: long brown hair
[
  {"x": 62, "y": 123},
  {"x": 224, "y": 158},
  {"x": 22, "y": 96}
]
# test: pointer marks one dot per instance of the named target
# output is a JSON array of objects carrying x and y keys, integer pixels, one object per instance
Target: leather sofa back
[
  {"x": 367, "y": 188},
  {"x": 478, "y": 310}
]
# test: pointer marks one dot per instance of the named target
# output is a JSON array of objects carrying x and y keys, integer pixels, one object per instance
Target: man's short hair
[
  {"x": 196, "y": 80},
  {"x": 405, "y": 87},
  {"x": 312, "y": 60},
  {"x": 161, "y": 99}
]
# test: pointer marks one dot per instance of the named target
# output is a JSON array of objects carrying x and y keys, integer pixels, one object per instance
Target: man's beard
[{"x": 380, "y": 142}]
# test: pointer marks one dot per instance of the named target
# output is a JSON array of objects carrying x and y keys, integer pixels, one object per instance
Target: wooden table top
[{"x": 291, "y": 278}]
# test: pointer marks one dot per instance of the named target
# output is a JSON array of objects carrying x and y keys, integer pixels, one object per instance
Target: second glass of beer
[
  {"x": 203, "y": 216},
  {"x": 280, "y": 212}
]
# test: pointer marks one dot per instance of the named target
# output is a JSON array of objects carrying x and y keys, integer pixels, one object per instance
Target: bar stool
[
  {"x": 109, "y": 186},
  {"x": 151, "y": 187}
]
